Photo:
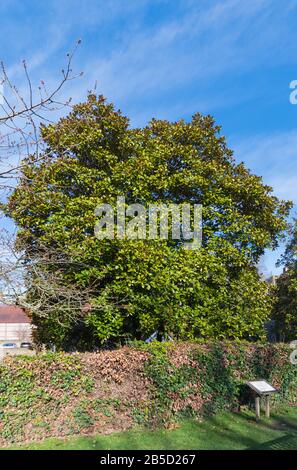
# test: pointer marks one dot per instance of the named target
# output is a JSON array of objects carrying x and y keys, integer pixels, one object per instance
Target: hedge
[{"x": 58, "y": 394}]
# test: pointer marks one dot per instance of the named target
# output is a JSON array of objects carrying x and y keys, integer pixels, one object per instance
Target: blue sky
[{"x": 171, "y": 58}]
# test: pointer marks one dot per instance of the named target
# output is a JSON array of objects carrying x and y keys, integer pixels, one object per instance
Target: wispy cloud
[
  {"x": 210, "y": 41},
  {"x": 273, "y": 156},
  {"x": 146, "y": 65}
]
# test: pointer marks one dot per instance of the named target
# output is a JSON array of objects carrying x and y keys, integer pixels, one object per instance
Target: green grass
[{"x": 224, "y": 431}]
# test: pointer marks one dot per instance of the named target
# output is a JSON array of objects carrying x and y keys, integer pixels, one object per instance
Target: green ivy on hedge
[
  {"x": 58, "y": 394},
  {"x": 221, "y": 369}
]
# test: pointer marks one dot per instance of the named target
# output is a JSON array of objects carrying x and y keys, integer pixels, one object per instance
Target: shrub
[{"x": 148, "y": 384}]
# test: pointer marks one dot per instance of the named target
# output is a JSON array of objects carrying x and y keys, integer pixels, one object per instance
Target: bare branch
[{"x": 21, "y": 117}]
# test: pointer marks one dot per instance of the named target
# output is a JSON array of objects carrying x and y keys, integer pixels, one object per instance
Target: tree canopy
[
  {"x": 285, "y": 293},
  {"x": 139, "y": 286}
]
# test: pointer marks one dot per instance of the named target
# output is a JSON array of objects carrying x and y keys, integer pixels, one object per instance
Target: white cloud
[
  {"x": 274, "y": 157},
  {"x": 145, "y": 61},
  {"x": 149, "y": 65}
]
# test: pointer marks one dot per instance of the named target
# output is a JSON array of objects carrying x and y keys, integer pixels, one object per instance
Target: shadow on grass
[
  {"x": 288, "y": 442},
  {"x": 225, "y": 431}
]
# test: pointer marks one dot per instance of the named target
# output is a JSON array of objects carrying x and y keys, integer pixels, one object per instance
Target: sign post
[
  {"x": 257, "y": 407},
  {"x": 267, "y": 407},
  {"x": 262, "y": 388}
]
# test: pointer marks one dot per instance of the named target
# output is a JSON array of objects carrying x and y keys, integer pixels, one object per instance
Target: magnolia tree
[{"x": 133, "y": 287}]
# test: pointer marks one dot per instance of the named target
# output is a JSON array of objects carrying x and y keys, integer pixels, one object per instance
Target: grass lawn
[{"x": 224, "y": 431}]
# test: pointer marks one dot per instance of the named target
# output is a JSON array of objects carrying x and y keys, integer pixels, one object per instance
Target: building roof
[{"x": 13, "y": 314}]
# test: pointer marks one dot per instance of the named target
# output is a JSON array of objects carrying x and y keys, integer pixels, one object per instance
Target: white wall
[{"x": 15, "y": 332}]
